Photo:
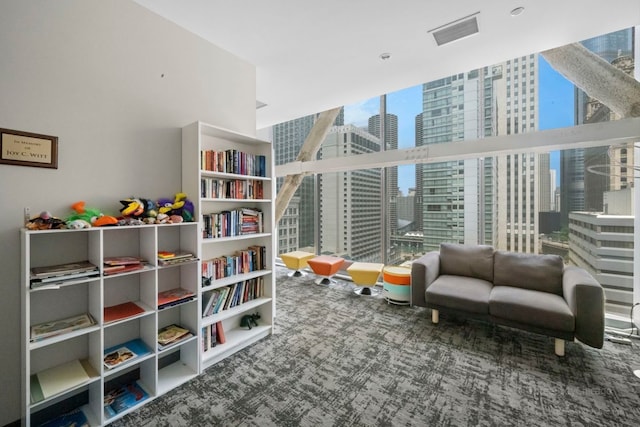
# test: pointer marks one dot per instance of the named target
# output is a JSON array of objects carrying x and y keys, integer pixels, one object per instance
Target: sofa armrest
[
  {"x": 585, "y": 297},
  {"x": 424, "y": 271}
]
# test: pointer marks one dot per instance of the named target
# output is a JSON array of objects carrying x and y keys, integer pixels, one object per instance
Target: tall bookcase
[
  {"x": 229, "y": 176},
  {"x": 154, "y": 371}
]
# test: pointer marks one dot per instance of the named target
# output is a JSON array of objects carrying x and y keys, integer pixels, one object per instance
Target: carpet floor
[{"x": 338, "y": 359}]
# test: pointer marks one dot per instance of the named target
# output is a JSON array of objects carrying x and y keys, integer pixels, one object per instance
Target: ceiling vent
[
  {"x": 456, "y": 30},
  {"x": 260, "y": 104}
]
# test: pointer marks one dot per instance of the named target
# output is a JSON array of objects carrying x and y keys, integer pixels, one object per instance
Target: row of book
[
  {"x": 233, "y": 161},
  {"x": 62, "y": 273},
  {"x": 231, "y": 189},
  {"x": 226, "y": 297},
  {"x": 242, "y": 262},
  {"x": 213, "y": 335},
  {"x": 235, "y": 222},
  {"x": 168, "y": 298}
]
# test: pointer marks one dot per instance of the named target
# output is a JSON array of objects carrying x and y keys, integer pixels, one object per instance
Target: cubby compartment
[
  {"x": 236, "y": 330},
  {"x": 128, "y": 344},
  {"x": 63, "y": 368},
  {"x": 128, "y": 390},
  {"x": 178, "y": 361},
  {"x": 129, "y": 296}
]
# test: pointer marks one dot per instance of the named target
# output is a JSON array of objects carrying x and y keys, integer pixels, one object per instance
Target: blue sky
[{"x": 556, "y": 100}]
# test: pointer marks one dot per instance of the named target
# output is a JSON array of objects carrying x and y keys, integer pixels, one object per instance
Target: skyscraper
[
  {"x": 391, "y": 181},
  {"x": 350, "y": 208},
  {"x": 582, "y": 190},
  {"x": 488, "y": 200},
  {"x": 288, "y": 137}
]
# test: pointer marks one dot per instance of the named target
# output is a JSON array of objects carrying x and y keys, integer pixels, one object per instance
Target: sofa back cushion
[
  {"x": 467, "y": 260},
  {"x": 528, "y": 271}
]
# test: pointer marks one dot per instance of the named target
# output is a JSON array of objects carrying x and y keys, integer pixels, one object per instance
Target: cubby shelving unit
[
  {"x": 249, "y": 183},
  {"x": 156, "y": 372}
]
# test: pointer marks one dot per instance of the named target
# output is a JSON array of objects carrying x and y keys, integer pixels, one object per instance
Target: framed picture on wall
[{"x": 28, "y": 149}]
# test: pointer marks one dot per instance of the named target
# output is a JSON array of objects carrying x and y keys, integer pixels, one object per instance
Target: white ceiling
[{"x": 315, "y": 55}]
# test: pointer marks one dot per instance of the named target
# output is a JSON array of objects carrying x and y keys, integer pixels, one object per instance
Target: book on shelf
[
  {"x": 118, "y": 269},
  {"x": 177, "y": 258},
  {"x": 122, "y": 260},
  {"x": 224, "y": 293},
  {"x": 173, "y": 297},
  {"x": 172, "y": 334},
  {"x": 125, "y": 352},
  {"x": 121, "y": 311},
  {"x": 122, "y": 398},
  {"x": 211, "y": 301},
  {"x": 62, "y": 269},
  {"x": 75, "y": 418},
  {"x": 61, "y": 326},
  {"x": 209, "y": 337},
  {"x": 58, "y": 274},
  {"x": 61, "y": 280},
  {"x": 60, "y": 378},
  {"x": 169, "y": 255},
  {"x": 121, "y": 264},
  {"x": 220, "y": 337}
]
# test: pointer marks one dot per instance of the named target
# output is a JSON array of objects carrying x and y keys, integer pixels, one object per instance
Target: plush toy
[
  {"x": 179, "y": 206},
  {"x": 91, "y": 216},
  {"x": 45, "y": 221},
  {"x": 145, "y": 210}
]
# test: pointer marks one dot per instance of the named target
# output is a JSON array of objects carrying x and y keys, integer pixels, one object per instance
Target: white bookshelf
[
  {"x": 196, "y": 138},
  {"x": 156, "y": 372}
]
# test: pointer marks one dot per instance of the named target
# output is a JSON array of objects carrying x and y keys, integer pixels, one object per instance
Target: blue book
[
  {"x": 75, "y": 418},
  {"x": 123, "y": 398},
  {"x": 124, "y": 353}
]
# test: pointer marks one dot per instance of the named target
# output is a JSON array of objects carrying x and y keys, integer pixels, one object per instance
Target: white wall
[{"x": 115, "y": 83}]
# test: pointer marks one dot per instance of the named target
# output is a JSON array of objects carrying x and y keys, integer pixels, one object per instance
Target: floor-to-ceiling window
[{"x": 575, "y": 202}]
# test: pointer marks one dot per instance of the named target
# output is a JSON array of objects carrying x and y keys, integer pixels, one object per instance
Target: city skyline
[{"x": 556, "y": 110}]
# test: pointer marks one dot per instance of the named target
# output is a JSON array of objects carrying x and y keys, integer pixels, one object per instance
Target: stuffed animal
[
  {"x": 146, "y": 210},
  {"x": 45, "y": 221},
  {"x": 91, "y": 216},
  {"x": 179, "y": 206}
]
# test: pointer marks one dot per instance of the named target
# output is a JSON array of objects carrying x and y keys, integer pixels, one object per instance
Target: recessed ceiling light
[
  {"x": 517, "y": 11},
  {"x": 384, "y": 56}
]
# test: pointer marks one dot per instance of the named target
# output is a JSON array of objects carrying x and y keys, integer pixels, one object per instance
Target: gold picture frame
[{"x": 28, "y": 149}]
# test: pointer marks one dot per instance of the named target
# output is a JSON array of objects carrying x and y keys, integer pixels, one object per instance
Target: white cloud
[{"x": 358, "y": 114}]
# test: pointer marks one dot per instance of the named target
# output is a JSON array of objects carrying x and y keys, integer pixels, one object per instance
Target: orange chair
[{"x": 326, "y": 266}]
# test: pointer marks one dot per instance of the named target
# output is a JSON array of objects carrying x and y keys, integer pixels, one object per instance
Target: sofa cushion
[
  {"x": 460, "y": 293},
  {"x": 467, "y": 260},
  {"x": 541, "y": 309},
  {"x": 528, "y": 271}
]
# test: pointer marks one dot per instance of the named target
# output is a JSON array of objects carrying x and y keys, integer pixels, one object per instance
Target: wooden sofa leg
[
  {"x": 434, "y": 316},
  {"x": 559, "y": 347}
]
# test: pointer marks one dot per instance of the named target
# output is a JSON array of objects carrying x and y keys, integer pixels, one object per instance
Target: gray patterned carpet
[{"x": 337, "y": 359}]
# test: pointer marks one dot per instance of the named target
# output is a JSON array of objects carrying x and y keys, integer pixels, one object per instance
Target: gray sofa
[{"x": 536, "y": 293}]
